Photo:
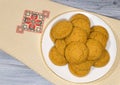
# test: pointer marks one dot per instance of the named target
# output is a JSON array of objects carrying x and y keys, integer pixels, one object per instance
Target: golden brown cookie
[
  {"x": 60, "y": 45},
  {"x": 77, "y": 35},
  {"x": 61, "y": 29},
  {"x": 95, "y": 49},
  {"x": 82, "y": 16},
  {"x": 76, "y": 52},
  {"x": 81, "y": 23},
  {"x": 99, "y": 37},
  {"x": 100, "y": 29},
  {"x": 103, "y": 60},
  {"x": 52, "y": 38},
  {"x": 81, "y": 69},
  {"x": 56, "y": 58}
]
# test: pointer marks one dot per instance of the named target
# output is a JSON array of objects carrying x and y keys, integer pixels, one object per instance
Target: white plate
[{"x": 63, "y": 71}]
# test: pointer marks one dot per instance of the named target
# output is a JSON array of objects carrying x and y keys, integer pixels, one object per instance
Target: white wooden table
[
  {"x": 109, "y": 8},
  {"x": 13, "y": 72}
]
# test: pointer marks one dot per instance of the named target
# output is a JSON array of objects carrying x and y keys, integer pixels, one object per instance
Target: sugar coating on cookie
[
  {"x": 76, "y": 52},
  {"x": 103, "y": 60},
  {"x": 95, "y": 49},
  {"x": 61, "y": 29},
  {"x": 56, "y": 57},
  {"x": 81, "y": 16},
  {"x": 60, "y": 45},
  {"x": 81, "y": 69},
  {"x": 81, "y": 23},
  {"x": 99, "y": 37},
  {"x": 100, "y": 29},
  {"x": 77, "y": 35}
]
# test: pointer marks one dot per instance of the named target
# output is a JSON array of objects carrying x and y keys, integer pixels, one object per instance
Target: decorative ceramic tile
[{"x": 33, "y": 21}]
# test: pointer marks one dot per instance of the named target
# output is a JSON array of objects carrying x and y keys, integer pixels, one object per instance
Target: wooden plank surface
[
  {"x": 109, "y": 8},
  {"x": 13, "y": 72}
]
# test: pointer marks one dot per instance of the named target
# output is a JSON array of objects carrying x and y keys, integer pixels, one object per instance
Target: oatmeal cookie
[
  {"x": 81, "y": 16},
  {"x": 99, "y": 37},
  {"x": 77, "y": 35},
  {"x": 61, "y": 29},
  {"x": 95, "y": 49},
  {"x": 100, "y": 29},
  {"x": 81, "y": 69},
  {"x": 81, "y": 23},
  {"x": 76, "y": 52},
  {"x": 60, "y": 45},
  {"x": 52, "y": 38},
  {"x": 103, "y": 60},
  {"x": 57, "y": 58}
]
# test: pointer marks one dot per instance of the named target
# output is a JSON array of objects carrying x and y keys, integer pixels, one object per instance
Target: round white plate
[{"x": 63, "y": 71}]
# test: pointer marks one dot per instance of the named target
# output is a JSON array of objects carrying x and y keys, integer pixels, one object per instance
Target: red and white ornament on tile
[{"x": 32, "y": 21}]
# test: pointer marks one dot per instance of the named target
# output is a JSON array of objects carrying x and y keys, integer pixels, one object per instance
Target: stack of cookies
[{"x": 79, "y": 45}]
